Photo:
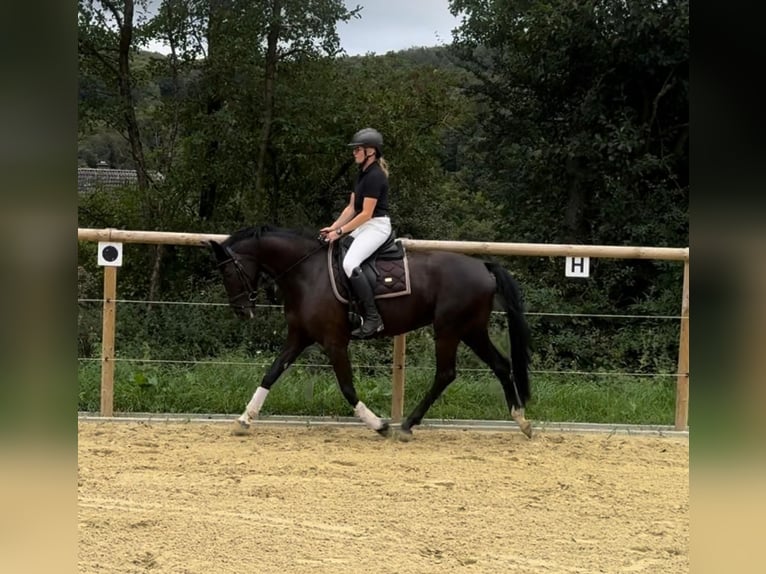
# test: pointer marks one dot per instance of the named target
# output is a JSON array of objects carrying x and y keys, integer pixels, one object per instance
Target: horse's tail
[{"x": 518, "y": 330}]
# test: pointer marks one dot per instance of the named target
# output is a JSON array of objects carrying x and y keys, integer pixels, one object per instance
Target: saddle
[{"x": 387, "y": 269}]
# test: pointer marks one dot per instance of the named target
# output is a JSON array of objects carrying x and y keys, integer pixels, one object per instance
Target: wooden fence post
[
  {"x": 397, "y": 394},
  {"x": 682, "y": 377},
  {"x": 107, "y": 341}
]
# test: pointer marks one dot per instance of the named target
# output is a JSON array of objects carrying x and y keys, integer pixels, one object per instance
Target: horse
[{"x": 454, "y": 292}]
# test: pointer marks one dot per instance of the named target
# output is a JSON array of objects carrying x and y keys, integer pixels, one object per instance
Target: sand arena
[{"x": 191, "y": 498}]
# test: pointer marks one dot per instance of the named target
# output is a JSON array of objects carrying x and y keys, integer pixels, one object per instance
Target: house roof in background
[{"x": 92, "y": 178}]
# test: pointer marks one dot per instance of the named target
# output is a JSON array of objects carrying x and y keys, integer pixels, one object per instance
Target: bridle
[{"x": 250, "y": 291}]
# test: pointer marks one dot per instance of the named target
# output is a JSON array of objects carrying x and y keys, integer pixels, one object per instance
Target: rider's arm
[{"x": 368, "y": 208}]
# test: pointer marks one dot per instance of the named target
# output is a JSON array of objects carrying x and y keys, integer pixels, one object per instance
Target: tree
[
  {"x": 585, "y": 115},
  {"x": 582, "y": 137},
  {"x": 105, "y": 43},
  {"x": 244, "y": 46}
]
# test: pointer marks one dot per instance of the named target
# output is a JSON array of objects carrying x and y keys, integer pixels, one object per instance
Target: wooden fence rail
[{"x": 468, "y": 247}]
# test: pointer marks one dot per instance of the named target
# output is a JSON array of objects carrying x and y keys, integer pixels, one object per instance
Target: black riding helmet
[{"x": 368, "y": 137}]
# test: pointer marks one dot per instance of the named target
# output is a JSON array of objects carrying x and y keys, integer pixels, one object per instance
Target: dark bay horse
[{"x": 453, "y": 292}]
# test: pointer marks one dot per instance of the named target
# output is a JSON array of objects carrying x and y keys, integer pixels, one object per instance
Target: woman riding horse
[
  {"x": 452, "y": 292},
  {"x": 366, "y": 219}
]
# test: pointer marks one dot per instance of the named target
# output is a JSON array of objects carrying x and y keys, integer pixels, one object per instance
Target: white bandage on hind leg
[
  {"x": 369, "y": 417},
  {"x": 255, "y": 404}
]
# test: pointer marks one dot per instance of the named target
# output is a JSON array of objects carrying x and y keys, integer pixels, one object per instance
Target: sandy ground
[{"x": 191, "y": 498}]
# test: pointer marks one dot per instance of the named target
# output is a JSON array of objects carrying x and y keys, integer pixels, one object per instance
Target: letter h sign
[{"x": 577, "y": 267}]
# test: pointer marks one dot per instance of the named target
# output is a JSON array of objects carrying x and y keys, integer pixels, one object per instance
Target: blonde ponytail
[{"x": 383, "y": 165}]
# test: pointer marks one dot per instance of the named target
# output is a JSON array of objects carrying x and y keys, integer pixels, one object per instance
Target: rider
[{"x": 366, "y": 219}]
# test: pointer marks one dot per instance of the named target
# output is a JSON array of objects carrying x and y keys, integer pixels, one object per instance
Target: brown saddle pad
[{"x": 393, "y": 278}]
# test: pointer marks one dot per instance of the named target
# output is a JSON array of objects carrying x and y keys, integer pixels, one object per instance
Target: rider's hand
[
  {"x": 328, "y": 235},
  {"x": 325, "y": 235}
]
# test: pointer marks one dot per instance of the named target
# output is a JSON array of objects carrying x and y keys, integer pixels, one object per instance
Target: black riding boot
[{"x": 371, "y": 322}]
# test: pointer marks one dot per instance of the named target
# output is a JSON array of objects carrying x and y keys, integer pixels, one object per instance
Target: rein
[{"x": 301, "y": 260}]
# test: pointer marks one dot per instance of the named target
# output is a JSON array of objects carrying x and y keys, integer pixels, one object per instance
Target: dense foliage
[{"x": 545, "y": 121}]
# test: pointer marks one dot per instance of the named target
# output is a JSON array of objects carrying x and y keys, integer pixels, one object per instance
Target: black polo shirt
[{"x": 372, "y": 182}]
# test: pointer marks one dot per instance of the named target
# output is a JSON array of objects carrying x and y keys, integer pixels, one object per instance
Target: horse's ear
[{"x": 218, "y": 251}]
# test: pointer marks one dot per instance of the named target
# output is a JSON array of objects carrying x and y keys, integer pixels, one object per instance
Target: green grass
[{"x": 476, "y": 394}]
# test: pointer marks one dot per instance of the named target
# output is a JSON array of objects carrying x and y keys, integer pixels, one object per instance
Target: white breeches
[{"x": 367, "y": 238}]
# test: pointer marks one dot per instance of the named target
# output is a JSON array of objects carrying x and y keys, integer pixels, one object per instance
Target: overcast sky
[{"x": 387, "y": 25}]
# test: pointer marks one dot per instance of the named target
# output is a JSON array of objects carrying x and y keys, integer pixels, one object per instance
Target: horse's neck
[{"x": 278, "y": 253}]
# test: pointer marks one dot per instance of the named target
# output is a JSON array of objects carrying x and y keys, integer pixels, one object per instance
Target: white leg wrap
[
  {"x": 255, "y": 404},
  {"x": 367, "y": 416}
]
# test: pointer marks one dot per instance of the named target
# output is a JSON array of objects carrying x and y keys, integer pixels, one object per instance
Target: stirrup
[{"x": 362, "y": 333}]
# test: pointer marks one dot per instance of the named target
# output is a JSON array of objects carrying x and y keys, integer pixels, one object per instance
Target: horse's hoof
[
  {"x": 526, "y": 428},
  {"x": 385, "y": 430},
  {"x": 404, "y": 435},
  {"x": 240, "y": 428}
]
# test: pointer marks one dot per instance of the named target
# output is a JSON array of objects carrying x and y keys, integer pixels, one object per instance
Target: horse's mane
[{"x": 259, "y": 231}]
